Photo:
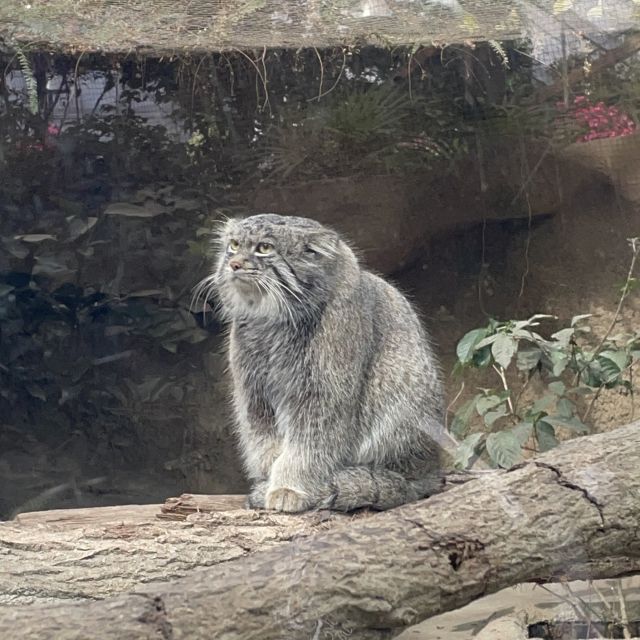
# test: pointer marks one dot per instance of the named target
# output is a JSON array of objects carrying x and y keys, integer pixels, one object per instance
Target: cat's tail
[{"x": 377, "y": 488}]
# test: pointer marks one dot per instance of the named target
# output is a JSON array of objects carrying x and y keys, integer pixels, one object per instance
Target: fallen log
[{"x": 573, "y": 512}]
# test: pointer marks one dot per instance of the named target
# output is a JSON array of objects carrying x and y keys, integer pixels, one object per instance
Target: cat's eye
[
  {"x": 264, "y": 249},
  {"x": 234, "y": 245}
]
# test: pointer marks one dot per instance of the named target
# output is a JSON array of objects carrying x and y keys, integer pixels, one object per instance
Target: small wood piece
[
  {"x": 188, "y": 503},
  {"x": 87, "y": 517}
]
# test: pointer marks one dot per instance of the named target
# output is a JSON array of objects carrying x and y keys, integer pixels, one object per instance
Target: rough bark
[{"x": 571, "y": 513}]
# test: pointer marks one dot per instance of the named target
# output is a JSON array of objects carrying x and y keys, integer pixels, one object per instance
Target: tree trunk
[{"x": 573, "y": 512}]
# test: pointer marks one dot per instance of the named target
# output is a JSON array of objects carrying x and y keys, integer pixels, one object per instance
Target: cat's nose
[{"x": 235, "y": 264}]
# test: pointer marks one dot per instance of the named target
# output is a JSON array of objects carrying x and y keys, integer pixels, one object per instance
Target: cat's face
[{"x": 273, "y": 266}]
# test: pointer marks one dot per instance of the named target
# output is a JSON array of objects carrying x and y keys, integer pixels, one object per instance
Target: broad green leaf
[
  {"x": 532, "y": 321},
  {"x": 565, "y": 408},
  {"x": 491, "y": 416},
  {"x": 5, "y": 289},
  {"x": 466, "y": 450},
  {"x": 129, "y": 210},
  {"x": 546, "y": 436},
  {"x": 48, "y": 265},
  {"x": 467, "y": 344},
  {"x": 594, "y": 376},
  {"x": 145, "y": 293},
  {"x": 504, "y": 448},
  {"x": 482, "y": 357},
  {"x": 522, "y": 432},
  {"x": 540, "y": 316},
  {"x": 579, "y": 318},
  {"x": 543, "y": 403},
  {"x": 35, "y": 237},
  {"x": 611, "y": 364},
  {"x": 78, "y": 227},
  {"x": 563, "y": 337},
  {"x": 37, "y": 391},
  {"x": 462, "y": 416},
  {"x": 580, "y": 391},
  {"x": 557, "y": 387},
  {"x": 619, "y": 358},
  {"x": 559, "y": 362},
  {"x": 490, "y": 401},
  {"x": 528, "y": 358},
  {"x": 487, "y": 341},
  {"x": 503, "y": 349},
  {"x": 15, "y": 248}
]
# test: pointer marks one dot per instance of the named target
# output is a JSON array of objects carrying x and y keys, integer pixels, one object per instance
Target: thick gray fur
[{"x": 336, "y": 389}]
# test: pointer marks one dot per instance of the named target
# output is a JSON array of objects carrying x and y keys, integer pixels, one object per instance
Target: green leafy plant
[
  {"x": 29, "y": 80},
  {"x": 366, "y": 116},
  {"x": 572, "y": 373},
  {"x": 376, "y": 130},
  {"x": 572, "y": 367}
]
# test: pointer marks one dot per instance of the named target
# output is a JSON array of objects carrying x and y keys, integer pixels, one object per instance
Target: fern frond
[
  {"x": 29, "y": 80},
  {"x": 500, "y": 51}
]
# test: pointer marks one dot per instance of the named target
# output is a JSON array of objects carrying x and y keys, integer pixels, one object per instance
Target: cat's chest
[{"x": 271, "y": 362}]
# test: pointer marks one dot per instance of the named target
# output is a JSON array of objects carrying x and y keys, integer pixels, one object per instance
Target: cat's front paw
[{"x": 288, "y": 500}]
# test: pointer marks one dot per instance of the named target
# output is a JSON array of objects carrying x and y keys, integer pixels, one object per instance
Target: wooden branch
[{"x": 573, "y": 512}]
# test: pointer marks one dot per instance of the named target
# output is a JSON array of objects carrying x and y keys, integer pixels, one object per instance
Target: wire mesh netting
[
  {"x": 205, "y": 25},
  {"x": 486, "y": 154}
]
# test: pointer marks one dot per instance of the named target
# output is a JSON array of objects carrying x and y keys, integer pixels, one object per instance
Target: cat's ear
[{"x": 323, "y": 243}]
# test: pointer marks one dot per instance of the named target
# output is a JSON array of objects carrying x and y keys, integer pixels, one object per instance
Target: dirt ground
[{"x": 567, "y": 264}]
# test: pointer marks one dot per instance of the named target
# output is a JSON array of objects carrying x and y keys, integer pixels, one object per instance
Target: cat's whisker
[
  {"x": 203, "y": 286},
  {"x": 289, "y": 290},
  {"x": 283, "y": 290},
  {"x": 271, "y": 285}
]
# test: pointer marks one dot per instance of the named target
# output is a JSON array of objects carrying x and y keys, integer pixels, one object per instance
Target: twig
[
  {"x": 575, "y": 604},
  {"x": 263, "y": 79},
  {"x": 525, "y": 184},
  {"x": 635, "y": 248},
  {"x": 624, "y": 618},
  {"x": 605, "y": 603},
  {"x": 593, "y": 401},
  {"x": 522, "y": 390},
  {"x": 633, "y": 402},
  {"x": 321, "y": 73},
  {"x": 103, "y": 93},
  {"x": 482, "y": 264},
  {"x": 455, "y": 399},
  {"x": 335, "y": 84},
  {"x": 76, "y": 86},
  {"x": 500, "y": 371},
  {"x": 525, "y": 167},
  {"x": 193, "y": 87},
  {"x": 267, "y": 103}
]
